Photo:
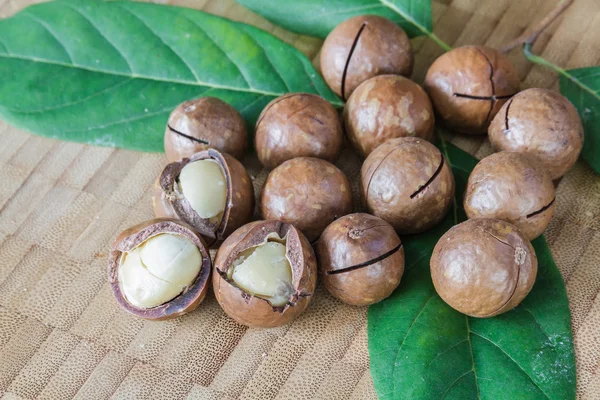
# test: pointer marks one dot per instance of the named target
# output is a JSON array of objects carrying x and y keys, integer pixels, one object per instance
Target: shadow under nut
[{"x": 408, "y": 183}]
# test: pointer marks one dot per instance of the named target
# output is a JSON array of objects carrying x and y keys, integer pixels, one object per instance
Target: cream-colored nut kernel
[
  {"x": 158, "y": 270},
  {"x": 204, "y": 186},
  {"x": 264, "y": 271}
]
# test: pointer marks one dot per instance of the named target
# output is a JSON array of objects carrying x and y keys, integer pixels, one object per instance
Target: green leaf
[
  {"x": 110, "y": 73},
  {"x": 582, "y": 87},
  {"x": 319, "y": 17},
  {"x": 421, "y": 348}
]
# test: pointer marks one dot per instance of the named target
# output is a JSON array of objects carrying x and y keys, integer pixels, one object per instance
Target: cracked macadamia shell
[
  {"x": 169, "y": 200},
  {"x": 513, "y": 188},
  {"x": 298, "y": 125},
  {"x": 363, "y": 47},
  {"x": 483, "y": 267},
  {"x": 468, "y": 85},
  {"x": 307, "y": 192},
  {"x": 360, "y": 258},
  {"x": 385, "y": 107},
  {"x": 203, "y": 123},
  {"x": 408, "y": 183},
  {"x": 136, "y": 236},
  {"x": 543, "y": 125},
  {"x": 248, "y": 309}
]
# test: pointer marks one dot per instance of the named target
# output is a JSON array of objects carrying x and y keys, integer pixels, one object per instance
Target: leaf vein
[
  {"x": 455, "y": 382},
  {"x": 45, "y": 26}
]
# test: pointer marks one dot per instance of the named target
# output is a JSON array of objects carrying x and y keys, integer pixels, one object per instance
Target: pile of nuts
[{"x": 265, "y": 272}]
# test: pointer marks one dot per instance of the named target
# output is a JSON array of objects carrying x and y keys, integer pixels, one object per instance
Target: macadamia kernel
[
  {"x": 203, "y": 184},
  {"x": 264, "y": 271},
  {"x": 158, "y": 270}
]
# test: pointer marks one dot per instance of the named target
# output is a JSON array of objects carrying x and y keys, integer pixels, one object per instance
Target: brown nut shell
[
  {"x": 308, "y": 193},
  {"x": 363, "y": 47},
  {"x": 206, "y": 122},
  {"x": 253, "y": 311},
  {"x": 543, "y": 125},
  {"x": 385, "y": 107},
  {"x": 298, "y": 125},
  {"x": 136, "y": 235},
  {"x": 360, "y": 258},
  {"x": 483, "y": 267},
  {"x": 468, "y": 85},
  {"x": 513, "y": 188},
  {"x": 168, "y": 200},
  {"x": 408, "y": 183}
]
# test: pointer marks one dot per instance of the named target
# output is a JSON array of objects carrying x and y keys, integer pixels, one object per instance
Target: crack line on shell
[
  {"x": 375, "y": 171},
  {"x": 426, "y": 184},
  {"x": 506, "y": 116},
  {"x": 201, "y": 141},
  {"x": 493, "y": 97},
  {"x": 366, "y": 263},
  {"x": 493, "y": 100},
  {"x": 343, "y": 88},
  {"x": 541, "y": 210}
]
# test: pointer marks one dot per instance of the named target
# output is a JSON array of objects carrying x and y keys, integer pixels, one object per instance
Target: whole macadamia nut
[
  {"x": 308, "y": 193},
  {"x": 210, "y": 191},
  {"x": 298, "y": 125},
  {"x": 203, "y": 123},
  {"x": 360, "y": 258},
  {"x": 468, "y": 85},
  {"x": 483, "y": 267},
  {"x": 363, "y": 47},
  {"x": 543, "y": 125},
  {"x": 408, "y": 183},
  {"x": 265, "y": 274},
  {"x": 513, "y": 188},
  {"x": 159, "y": 269},
  {"x": 385, "y": 107}
]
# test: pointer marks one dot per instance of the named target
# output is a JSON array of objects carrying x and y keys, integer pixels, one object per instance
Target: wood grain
[{"x": 61, "y": 204}]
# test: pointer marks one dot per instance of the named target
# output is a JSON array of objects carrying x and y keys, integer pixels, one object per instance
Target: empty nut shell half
[
  {"x": 360, "y": 258},
  {"x": 254, "y": 309},
  {"x": 483, "y": 267},
  {"x": 169, "y": 200},
  {"x": 407, "y": 182},
  {"x": 131, "y": 240},
  {"x": 513, "y": 188},
  {"x": 206, "y": 122}
]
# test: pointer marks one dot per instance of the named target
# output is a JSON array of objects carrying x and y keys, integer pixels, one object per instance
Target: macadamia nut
[
  {"x": 158, "y": 270},
  {"x": 265, "y": 271},
  {"x": 203, "y": 185}
]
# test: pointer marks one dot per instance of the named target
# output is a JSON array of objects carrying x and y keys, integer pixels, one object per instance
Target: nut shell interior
[
  {"x": 408, "y": 183},
  {"x": 170, "y": 202},
  {"x": 360, "y": 258},
  {"x": 136, "y": 235},
  {"x": 483, "y": 267},
  {"x": 513, "y": 188},
  {"x": 254, "y": 311}
]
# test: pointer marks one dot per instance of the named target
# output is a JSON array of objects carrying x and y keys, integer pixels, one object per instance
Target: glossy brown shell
[
  {"x": 363, "y": 47},
  {"x": 203, "y": 123},
  {"x": 298, "y": 125},
  {"x": 134, "y": 236},
  {"x": 360, "y": 258},
  {"x": 483, "y": 267},
  {"x": 169, "y": 202},
  {"x": 408, "y": 183},
  {"x": 307, "y": 192},
  {"x": 468, "y": 85},
  {"x": 542, "y": 124},
  {"x": 513, "y": 188},
  {"x": 385, "y": 107},
  {"x": 254, "y": 311}
]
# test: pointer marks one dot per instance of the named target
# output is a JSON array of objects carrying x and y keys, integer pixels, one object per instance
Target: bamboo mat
[{"x": 61, "y": 205}]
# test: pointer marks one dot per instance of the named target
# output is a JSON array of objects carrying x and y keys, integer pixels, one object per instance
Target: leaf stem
[{"x": 420, "y": 27}]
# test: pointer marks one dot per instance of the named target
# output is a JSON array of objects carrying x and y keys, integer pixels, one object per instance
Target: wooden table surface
[{"x": 61, "y": 205}]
